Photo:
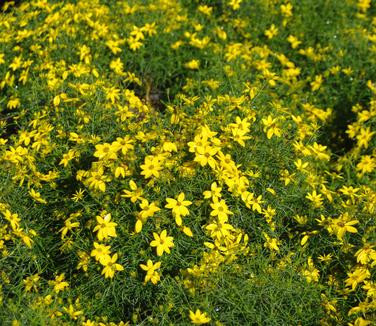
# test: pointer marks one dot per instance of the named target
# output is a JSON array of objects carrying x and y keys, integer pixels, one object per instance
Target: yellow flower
[
  {"x": 149, "y": 29},
  {"x": 83, "y": 263},
  {"x": 179, "y": 207},
  {"x": 235, "y": 4},
  {"x": 316, "y": 84},
  {"x": 67, "y": 157},
  {"x": 37, "y": 196},
  {"x": 31, "y": 282},
  {"x": 105, "y": 227},
  {"x": 193, "y": 64},
  {"x": 148, "y": 210},
  {"x": 300, "y": 166},
  {"x": 319, "y": 151},
  {"x": 137, "y": 33},
  {"x": 111, "y": 267},
  {"x": 293, "y": 41},
  {"x": 162, "y": 242},
  {"x": 220, "y": 209},
  {"x": 220, "y": 229},
  {"x": 101, "y": 253},
  {"x": 13, "y": 103},
  {"x": 204, "y": 155},
  {"x": 364, "y": 137},
  {"x": 117, "y": 66},
  {"x": 271, "y": 127},
  {"x": 59, "y": 284},
  {"x": 73, "y": 314},
  {"x": 68, "y": 226},
  {"x": 271, "y": 32},
  {"x": 286, "y": 9},
  {"x": 78, "y": 195},
  {"x": 239, "y": 136},
  {"x": 97, "y": 180},
  {"x": 364, "y": 5},
  {"x": 198, "y": 317},
  {"x": 16, "y": 63},
  {"x": 211, "y": 83},
  {"x": 271, "y": 243},
  {"x": 133, "y": 43},
  {"x": 112, "y": 94},
  {"x": 151, "y": 167},
  {"x": 315, "y": 198},
  {"x": 252, "y": 202},
  {"x": 105, "y": 151},
  {"x": 151, "y": 273},
  {"x": 206, "y": 10},
  {"x": 121, "y": 171},
  {"x": 169, "y": 147},
  {"x": 214, "y": 192},
  {"x": 198, "y": 142},
  {"x": 135, "y": 193},
  {"x": 339, "y": 226},
  {"x": 366, "y": 165},
  {"x": 325, "y": 258},
  {"x": 366, "y": 254},
  {"x": 114, "y": 45},
  {"x": 13, "y": 219},
  {"x": 311, "y": 273},
  {"x": 123, "y": 144},
  {"x": 356, "y": 277},
  {"x": 350, "y": 191}
]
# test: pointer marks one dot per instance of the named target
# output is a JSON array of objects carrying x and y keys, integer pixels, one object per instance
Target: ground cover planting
[{"x": 178, "y": 162}]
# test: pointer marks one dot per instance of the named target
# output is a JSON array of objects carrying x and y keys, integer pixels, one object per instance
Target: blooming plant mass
[{"x": 175, "y": 162}]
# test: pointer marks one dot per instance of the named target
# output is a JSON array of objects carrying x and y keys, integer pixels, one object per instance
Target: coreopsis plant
[{"x": 157, "y": 157}]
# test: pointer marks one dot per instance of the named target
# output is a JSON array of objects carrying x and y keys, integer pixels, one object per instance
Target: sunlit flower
[{"x": 162, "y": 242}]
